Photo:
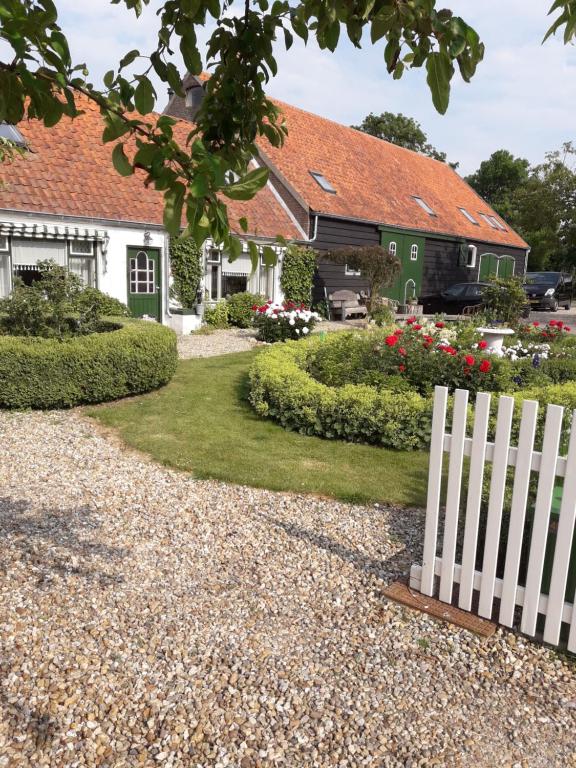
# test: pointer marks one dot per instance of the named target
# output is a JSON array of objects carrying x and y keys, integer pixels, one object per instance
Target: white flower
[
  {"x": 305, "y": 330},
  {"x": 292, "y": 321},
  {"x": 297, "y": 330}
]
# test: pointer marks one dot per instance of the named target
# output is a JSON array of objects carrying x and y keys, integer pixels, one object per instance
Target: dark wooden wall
[{"x": 441, "y": 267}]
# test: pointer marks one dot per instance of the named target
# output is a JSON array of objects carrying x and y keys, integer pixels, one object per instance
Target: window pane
[
  {"x": 82, "y": 246},
  {"x": 84, "y": 267},
  {"x": 4, "y": 275}
]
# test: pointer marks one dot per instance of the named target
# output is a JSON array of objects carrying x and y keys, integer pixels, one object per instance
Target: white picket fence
[{"x": 549, "y": 466}]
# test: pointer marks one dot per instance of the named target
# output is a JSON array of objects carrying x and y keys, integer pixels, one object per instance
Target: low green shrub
[
  {"x": 283, "y": 322},
  {"x": 131, "y": 358},
  {"x": 216, "y": 315},
  {"x": 240, "y": 308},
  {"x": 92, "y": 302},
  {"x": 282, "y": 389}
]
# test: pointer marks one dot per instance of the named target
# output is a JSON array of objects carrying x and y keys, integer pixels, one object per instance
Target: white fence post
[{"x": 557, "y": 607}]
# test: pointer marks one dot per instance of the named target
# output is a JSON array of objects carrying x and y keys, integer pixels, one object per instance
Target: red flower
[
  {"x": 559, "y": 324},
  {"x": 411, "y": 320},
  {"x": 485, "y": 366},
  {"x": 482, "y": 344},
  {"x": 402, "y": 351},
  {"x": 467, "y": 371},
  {"x": 469, "y": 360},
  {"x": 391, "y": 340},
  {"x": 401, "y": 368},
  {"x": 552, "y": 323},
  {"x": 428, "y": 339},
  {"x": 398, "y": 332},
  {"x": 567, "y": 328},
  {"x": 254, "y": 307},
  {"x": 417, "y": 327},
  {"x": 448, "y": 349},
  {"x": 536, "y": 324},
  {"x": 439, "y": 324}
]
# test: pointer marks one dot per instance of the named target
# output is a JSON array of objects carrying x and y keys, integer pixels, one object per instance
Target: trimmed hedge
[
  {"x": 131, "y": 358},
  {"x": 282, "y": 389}
]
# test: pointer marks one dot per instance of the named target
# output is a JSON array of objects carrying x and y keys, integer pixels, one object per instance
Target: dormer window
[
  {"x": 469, "y": 216},
  {"x": 322, "y": 182},
  {"x": 424, "y": 205},
  {"x": 12, "y": 133}
]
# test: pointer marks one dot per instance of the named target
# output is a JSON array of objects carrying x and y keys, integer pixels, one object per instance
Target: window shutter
[{"x": 463, "y": 255}]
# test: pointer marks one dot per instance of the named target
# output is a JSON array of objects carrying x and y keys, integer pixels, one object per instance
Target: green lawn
[{"x": 202, "y": 423}]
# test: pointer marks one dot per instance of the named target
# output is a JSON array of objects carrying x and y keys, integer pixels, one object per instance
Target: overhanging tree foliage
[
  {"x": 377, "y": 265},
  {"x": 39, "y": 76}
]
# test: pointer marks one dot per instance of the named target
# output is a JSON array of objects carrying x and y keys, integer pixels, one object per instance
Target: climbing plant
[
  {"x": 186, "y": 268},
  {"x": 297, "y": 277}
]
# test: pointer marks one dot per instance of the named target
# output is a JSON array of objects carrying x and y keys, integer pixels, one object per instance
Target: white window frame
[
  {"x": 469, "y": 216},
  {"x": 392, "y": 250},
  {"x": 214, "y": 256},
  {"x": 424, "y": 205},
  {"x": 489, "y": 221},
  {"x": 349, "y": 272},
  {"x": 4, "y": 244},
  {"x": 323, "y": 182},
  {"x": 414, "y": 252},
  {"x": 73, "y": 252},
  {"x": 471, "y": 256}
]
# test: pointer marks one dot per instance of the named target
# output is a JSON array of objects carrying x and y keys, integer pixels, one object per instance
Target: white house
[{"x": 64, "y": 201}]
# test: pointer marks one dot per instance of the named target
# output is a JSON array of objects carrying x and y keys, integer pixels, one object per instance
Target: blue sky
[{"x": 522, "y": 97}]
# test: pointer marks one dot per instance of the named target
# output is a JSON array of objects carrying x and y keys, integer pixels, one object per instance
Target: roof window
[
  {"x": 12, "y": 133},
  {"x": 469, "y": 216},
  {"x": 424, "y": 205},
  {"x": 322, "y": 182},
  {"x": 493, "y": 222}
]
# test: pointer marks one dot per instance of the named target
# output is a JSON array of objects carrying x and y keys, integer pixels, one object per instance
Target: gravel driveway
[{"x": 149, "y": 619}]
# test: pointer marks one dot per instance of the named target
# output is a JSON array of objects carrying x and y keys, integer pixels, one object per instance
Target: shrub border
[
  {"x": 39, "y": 373},
  {"x": 282, "y": 389}
]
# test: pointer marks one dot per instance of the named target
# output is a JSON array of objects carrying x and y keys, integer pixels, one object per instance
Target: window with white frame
[
  {"x": 424, "y": 205},
  {"x": 392, "y": 248},
  {"x": 490, "y": 220},
  {"x": 4, "y": 244},
  {"x": 471, "y": 256},
  {"x": 82, "y": 260},
  {"x": 414, "y": 252},
  {"x": 469, "y": 216},
  {"x": 265, "y": 279},
  {"x": 351, "y": 271}
]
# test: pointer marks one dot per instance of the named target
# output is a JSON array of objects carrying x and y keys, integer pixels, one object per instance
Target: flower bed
[
  {"x": 376, "y": 387},
  {"x": 130, "y": 358},
  {"x": 281, "y": 322}
]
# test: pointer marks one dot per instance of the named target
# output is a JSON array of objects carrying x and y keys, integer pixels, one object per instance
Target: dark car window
[
  {"x": 455, "y": 290},
  {"x": 542, "y": 278},
  {"x": 474, "y": 290}
]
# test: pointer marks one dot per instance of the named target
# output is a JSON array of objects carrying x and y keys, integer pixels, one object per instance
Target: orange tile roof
[
  {"x": 375, "y": 180},
  {"x": 69, "y": 172}
]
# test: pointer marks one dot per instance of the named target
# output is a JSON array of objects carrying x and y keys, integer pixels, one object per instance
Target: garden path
[{"x": 149, "y": 618}]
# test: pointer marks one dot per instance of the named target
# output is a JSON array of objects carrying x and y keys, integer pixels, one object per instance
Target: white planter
[
  {"x": 184, "y": 324},
  {"x": 494, "y": 338}
]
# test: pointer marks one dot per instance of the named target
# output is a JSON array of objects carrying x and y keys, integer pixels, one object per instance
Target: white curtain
[
  {"x": 30, "y": 252},
  {"x": 83, "y": 266},
  {"x": 4, "y": 274}
]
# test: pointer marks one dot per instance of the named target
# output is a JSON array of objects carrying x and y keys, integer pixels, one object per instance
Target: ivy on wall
[
  {"x": 186, "y": 269},
  {"x": 298, "y": 267}
]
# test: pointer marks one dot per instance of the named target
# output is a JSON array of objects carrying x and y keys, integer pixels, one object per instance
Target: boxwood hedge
[
  {"x": 130, "y": 358},
  {"x": 282, "y": 389}
]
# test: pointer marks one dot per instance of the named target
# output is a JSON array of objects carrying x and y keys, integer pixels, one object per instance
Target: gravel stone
[
  {"x": 148, "y": 618},
  {"x": 219, "y": 342}
]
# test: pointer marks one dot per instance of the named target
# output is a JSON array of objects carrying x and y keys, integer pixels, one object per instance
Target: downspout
[
  {"x": 315, "y": 235},
  {"x": 166, "y": 281}
]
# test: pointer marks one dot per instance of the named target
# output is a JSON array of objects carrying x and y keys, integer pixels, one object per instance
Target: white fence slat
[
  {"x": 453, "y": 494},
  {"x": 518, "y": 510},
  {"x": 495, "y": 503},
  {"x": 563, "y": 546},
  {"x": 539, "y": 537},
  {"x": 572, "y": 635},
  {"x": 474, "y": 498},
  {"x": 434, "y": 489}
]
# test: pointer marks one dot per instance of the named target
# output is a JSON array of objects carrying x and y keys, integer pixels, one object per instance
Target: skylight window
[
  {"x": 469, "y": 216},
  {"x": 12, "y": 133},
  {"x": 424, "y": 205},
  {"x": 498, "y": 223},
  {"x": 490, "y": 220},
  {"x": 322, "y": 182}
]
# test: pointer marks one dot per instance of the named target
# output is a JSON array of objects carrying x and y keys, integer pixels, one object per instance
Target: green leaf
[
  {"x": 440, "y": 71},
  {"x": 129, "y": 58},
  {"x": 254, "y": 255},
  {"x": 243, "y": 222},
  {"x": 173, "y": 202},
  {"x": 190, "y": 53},
  {"x": 109, "y": 78},
  {"x": 144, "y": 96},
  {"x": 248, "y": 186},
  {"x": 269, "y": 256},
  {"x": 121, "y": 162},
  {"x": 332, "y": 35}
]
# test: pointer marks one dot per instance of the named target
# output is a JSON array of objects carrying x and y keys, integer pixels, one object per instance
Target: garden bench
[{"x": 346, "y": 304}]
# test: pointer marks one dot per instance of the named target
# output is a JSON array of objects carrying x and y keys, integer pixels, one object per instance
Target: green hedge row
[
  {"x": 282, "y": 389},
  {"x": 135, "y": 357}
]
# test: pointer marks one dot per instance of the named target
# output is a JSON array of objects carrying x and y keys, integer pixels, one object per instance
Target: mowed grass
[{"x": 202, "y": 423}]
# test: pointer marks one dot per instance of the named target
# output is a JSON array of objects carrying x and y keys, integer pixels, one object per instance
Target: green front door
[
  {"x": 410, "y": 250},
  {"x": 496, "y": 266},
  {"x": 144, "y": 282}
]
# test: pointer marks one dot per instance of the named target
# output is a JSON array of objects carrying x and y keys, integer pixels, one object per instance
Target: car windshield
[{"x": 541, "y": 278}]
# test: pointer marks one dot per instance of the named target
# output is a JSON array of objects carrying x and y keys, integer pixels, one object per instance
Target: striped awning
[{"x": 51, "y": 232}]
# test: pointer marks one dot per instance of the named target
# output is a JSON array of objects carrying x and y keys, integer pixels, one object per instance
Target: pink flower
[{"x": 402, "y": 351}]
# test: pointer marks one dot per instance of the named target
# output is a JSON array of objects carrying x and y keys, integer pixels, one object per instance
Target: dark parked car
[
  {"x": 547, "y": 290},
  {"x": 455, "y": 298}
]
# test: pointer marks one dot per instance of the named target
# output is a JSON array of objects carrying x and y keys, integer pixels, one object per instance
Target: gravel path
[
  {"x": 149, "y": 619},
  {"x": 219, "y": 342}
]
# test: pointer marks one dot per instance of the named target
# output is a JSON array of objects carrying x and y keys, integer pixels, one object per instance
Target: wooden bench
[{"x": 346, "y": 304}]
